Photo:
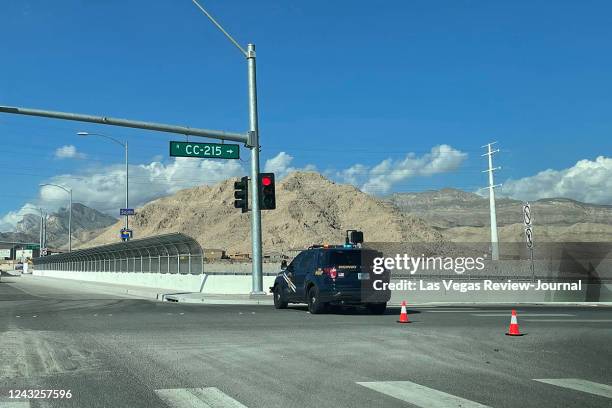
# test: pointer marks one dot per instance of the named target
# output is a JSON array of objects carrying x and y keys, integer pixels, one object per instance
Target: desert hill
[{"x": 310, "y": 209}]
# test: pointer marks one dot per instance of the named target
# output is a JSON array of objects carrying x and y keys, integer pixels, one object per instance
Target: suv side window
[
  {"x": 309, "y": 262},
  {"x": 295, "y": 264}
]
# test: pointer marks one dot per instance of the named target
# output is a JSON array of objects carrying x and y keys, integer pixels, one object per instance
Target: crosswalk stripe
[
  {"x": 209, "y": 397},
  {"x": 578, "y": 384},
  {"x": 420, "y": 395}
]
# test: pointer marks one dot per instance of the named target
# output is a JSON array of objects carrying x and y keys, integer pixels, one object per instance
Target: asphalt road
[{"x": 112, "y": 351}]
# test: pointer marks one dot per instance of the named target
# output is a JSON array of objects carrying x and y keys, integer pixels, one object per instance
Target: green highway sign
[{"x": 205, "y": 150}]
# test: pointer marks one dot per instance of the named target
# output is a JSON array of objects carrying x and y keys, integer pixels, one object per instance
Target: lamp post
[
  {"x": 69, "y": 191},
  {"x": 127, "y": 184},
  {"x": 40, "y": 235}
]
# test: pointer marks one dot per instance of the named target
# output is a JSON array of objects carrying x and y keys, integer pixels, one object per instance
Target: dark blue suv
[{"x": 326, "y": 275}]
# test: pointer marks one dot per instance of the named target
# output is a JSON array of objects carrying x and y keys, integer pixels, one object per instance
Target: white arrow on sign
[
  {"x": 527, "y": 215},
  {"x": 529, "y": 237}
]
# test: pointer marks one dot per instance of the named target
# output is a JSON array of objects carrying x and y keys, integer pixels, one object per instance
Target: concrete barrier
[{"x": 206, "y": 283}]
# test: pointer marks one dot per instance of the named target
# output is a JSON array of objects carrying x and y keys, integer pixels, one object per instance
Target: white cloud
[
  {"x": 280, "y": 165},
  {"x": 104, "y": 188},
  {"x": 68, "y": 152},
  {"x": 9, "y": 221},
  {"x": 587, "y": 181},
  {"x": 381, "y": 178}
]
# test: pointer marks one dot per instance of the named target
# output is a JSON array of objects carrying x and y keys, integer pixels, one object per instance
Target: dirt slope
[{"x": 310, "y": 209}]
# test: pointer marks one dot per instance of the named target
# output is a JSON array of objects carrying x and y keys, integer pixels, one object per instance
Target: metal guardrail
[{"x": 170, "y": 253}]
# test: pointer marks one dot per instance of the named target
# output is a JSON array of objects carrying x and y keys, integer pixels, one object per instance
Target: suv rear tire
[
  {"x": 377, "y": 308},
  {"x": 315, "y": 306},
  {"x": 280, "y": 301}
]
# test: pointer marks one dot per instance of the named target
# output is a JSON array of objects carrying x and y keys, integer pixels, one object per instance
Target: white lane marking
[
  {"x": 526, "y": 314},
  {"x": 570, "y": 320},
  {"x": 578, "y": 384},
  {"x": 209, "y": 397},
  {"x": 419, "y": 395}
]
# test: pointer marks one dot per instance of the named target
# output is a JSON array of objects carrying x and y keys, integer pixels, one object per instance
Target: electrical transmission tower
[{"x": 494, "y": 238}]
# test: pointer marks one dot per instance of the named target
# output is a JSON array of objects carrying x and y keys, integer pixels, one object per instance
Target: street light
[
  {"x": 43, "y": 231},
  {"x": 69, "y": 191},
  {"x": 127, "y": 185}
]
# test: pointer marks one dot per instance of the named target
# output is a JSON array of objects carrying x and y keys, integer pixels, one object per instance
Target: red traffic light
[
  {"x": 267, "y": 194},
  {"x": 266, "y": 180}
]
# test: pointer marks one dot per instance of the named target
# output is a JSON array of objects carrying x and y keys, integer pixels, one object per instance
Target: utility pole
[{"x": 494, "y": 238}]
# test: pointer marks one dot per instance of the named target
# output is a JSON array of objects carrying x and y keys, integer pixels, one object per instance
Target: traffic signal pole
[
  {"x": 257, "y": 273},
  {"x": 253, "y": 144}
]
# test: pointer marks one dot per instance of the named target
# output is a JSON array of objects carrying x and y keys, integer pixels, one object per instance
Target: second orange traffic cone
[
  {"x": 403, "y": 314},
  {"x": 513, "y": 330}
]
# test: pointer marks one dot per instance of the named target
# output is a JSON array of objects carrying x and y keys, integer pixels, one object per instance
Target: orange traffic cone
[
  {"x": 403, "y": 314},
  {"x": 513, "y": 330}
]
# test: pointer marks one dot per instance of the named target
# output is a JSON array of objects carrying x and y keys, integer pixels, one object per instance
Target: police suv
[{"x": 324, "y": 275}]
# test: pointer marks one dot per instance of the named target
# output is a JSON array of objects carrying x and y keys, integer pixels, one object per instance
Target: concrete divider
[{"x": 205, "y": 283}]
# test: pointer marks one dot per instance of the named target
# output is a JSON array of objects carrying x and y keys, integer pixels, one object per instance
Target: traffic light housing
[
  {"x": 241, "y": 194},
  {"x": 267, "y": 191}
]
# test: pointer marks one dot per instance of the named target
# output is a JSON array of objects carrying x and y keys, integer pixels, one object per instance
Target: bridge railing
[{"x": 171, "y": 253}]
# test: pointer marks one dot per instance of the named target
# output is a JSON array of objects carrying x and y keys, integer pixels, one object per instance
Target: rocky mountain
[
  {"x": 310, "y": 210},
  {"x": 463, "y": 216},
  {"x": 84, "y": 221}
]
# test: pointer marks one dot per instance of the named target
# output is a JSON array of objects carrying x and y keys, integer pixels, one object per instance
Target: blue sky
[{"x": 344, "y": 87}]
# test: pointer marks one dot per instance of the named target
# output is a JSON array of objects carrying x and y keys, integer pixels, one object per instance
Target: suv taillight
[{"x": 331, "y": 272}]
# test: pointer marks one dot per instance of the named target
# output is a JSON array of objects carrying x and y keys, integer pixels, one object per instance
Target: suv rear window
[
  {"x": 349, "y": 257},
  {"x": 337, "y": 258}
]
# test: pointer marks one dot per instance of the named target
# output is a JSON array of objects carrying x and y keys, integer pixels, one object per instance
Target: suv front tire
[{"x": 280, "y": 301}]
